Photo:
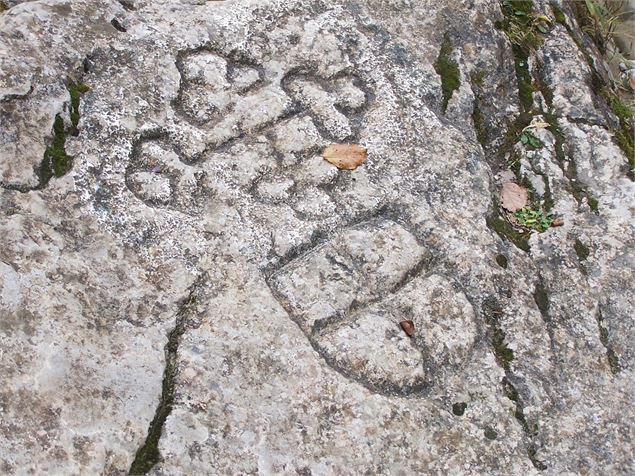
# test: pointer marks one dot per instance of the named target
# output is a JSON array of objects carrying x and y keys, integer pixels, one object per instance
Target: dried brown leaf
[
  {"x": 557, "y": 222},
  {"x": 408, "y": 327},
  {"x": 513, "y": 197},
  {"x": 345, "y": 156}
]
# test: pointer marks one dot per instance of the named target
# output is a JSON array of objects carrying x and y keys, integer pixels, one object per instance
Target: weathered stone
[{"x": 202, "y": 293}]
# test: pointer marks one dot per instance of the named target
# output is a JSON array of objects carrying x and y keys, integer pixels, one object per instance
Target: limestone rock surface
[{"x": 188, "y": 287}]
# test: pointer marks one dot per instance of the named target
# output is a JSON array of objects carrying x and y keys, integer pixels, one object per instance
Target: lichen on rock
[{"x": 188, "y": 287}]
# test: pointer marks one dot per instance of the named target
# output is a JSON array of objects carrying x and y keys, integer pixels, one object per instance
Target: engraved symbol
[
  {"x": 349, "y": 295},
  {"x": 248, "y": 128}
]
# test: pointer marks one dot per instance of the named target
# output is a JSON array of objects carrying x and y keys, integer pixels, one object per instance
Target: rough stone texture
[{"x": 199, "y": 211}]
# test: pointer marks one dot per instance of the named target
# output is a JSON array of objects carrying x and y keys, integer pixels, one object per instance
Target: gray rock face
[{"x": 187, "y": 287}]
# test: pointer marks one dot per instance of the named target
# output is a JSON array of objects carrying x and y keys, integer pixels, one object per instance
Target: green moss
[
  {"x": 148, "y": 454},
  {"x": 581, "y": 249},
  {"x": 501, "y": 260},
  {"x": 479, "y": 126},
  {"x": 492, "y": 313},
  {"x": 57, "y": 162},
  {"x": 531, "y": 453},
  {"x": 507, "y": 232},
  {"x": 448, "y": 70},
  {"x": 625, "y": 135},
  {"x": 76, "y": 90},
  {"x": 548, "y": 197},
  {"x": 504, "y": 355},
  {"x": 524, "y": 79},
  {"x": 525, "y": 31},
  {"x": 541, "y": 297},
  {"x": 559, "y": 15},
  {"x": 614, "y": 362},
  {"x": 594, "y": 204},
  {"x": 523, "y": 28}
]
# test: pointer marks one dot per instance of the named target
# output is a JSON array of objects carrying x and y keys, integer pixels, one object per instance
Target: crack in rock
[{"x": 148, "y": 454}]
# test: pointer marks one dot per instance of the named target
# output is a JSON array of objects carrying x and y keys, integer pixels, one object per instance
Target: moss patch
[
  {"x": 148, "y": 454},
  {"x": 581, "y": 250},
  {"x": 524, "y": 79},
  {"x": 492, "y": 313},
  {"x": 501, "y": 260},
  {"x": 542, "y": 299},
  {"x": 479, "y": 125},
  {"x": 525, "y": 31},
  {"x": 57, "y": 162},
  {"x": 523, "y": 28},
  {"x": 76, "y": 90},
  {"x": 448, "y": 70},
  {"x": 3, "y": 7},
  {"x": 625, "y": 135},
  {"x": 490, "y": 433},
  {"x": 559, "y": 15},
  {"x": 613, "y": 360},
  {"x": 504, "y": 355},
  {"x": 506, "y": 231}
]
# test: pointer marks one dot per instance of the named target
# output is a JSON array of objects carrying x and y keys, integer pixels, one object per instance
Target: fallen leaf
[
  {"x": 513, "y": 197},
  {"x": 408, "y": 327},
  {"x": 557, "y": 222},
  {"x": 345, "y": 156}
]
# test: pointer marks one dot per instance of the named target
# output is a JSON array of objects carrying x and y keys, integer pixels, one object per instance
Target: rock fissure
[
  {"x": 352, "y": 308},
  {"x": 148, "y": 455},
  {"x": 492, "y": 312},
  {"x": 611, "y": 356},
  {"x": 57, "y": 162}
]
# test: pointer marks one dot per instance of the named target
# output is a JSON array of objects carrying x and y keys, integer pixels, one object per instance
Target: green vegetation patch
[
  {"x": 559, "y": 15},
  {"x": 76, "y": 90},
  {"x": 524, "y": 27},
  {"x": 507, "y": 232},
  {"x": 581, "y": 250},
  {"x": 529, "y": 139},
  {"x": 525, "y": 30},
  {"x": 625, "y": 135},
  {"x": 493, "y": 313},
  {"x": 534, "y": 219},
  {"x": 448, "y": 70},
  {"x": 57, "y": 162}
]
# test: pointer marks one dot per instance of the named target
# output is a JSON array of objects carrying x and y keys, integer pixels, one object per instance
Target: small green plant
[
  {"x": 522, "y": 25},
  {"x": 529, "y": 139},
  {"x": 534, "y": 219},
  {"x": 601, "y": 19},
  {"x": 625, "y": 134}
]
